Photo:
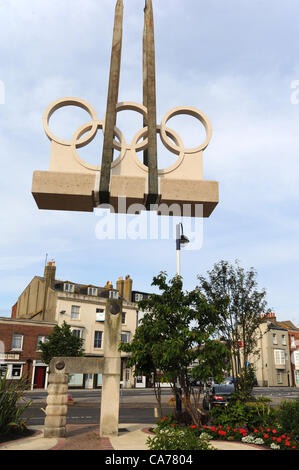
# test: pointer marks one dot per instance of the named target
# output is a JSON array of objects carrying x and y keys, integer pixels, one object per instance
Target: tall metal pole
[
  {"x": 178, "y": 400},
  {"x": 107, "y": 156},
  {"x": 178, "y": 249},
  {"x": 149, "y": 97}
]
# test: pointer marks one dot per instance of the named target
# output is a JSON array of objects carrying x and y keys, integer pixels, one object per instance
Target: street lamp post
[{"x": 181, "y": 239}]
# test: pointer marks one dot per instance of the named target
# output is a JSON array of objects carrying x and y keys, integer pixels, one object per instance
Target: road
[{"x": 136, "y": 406}]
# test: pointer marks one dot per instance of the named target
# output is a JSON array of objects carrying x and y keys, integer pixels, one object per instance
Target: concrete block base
[{"x": 76, "y": 192}]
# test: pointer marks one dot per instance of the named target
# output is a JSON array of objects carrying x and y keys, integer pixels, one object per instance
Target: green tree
[
  {"x": 243, "y": 303},
  {"x": 174, "y": 338},
  {"x": 61, "y": 342}
]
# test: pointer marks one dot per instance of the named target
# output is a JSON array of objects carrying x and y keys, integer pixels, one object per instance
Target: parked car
[
  {"x": 217, "y": 395},
  {"x": 229, "y": 381}
]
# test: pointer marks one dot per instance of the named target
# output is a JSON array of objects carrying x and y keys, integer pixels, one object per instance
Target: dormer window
[
  {"x": 113, "y": 294},
  {"x": 138, "y": 297},
  {"x": 67, "y": 287},
  {"x": 92, "y": 291}
]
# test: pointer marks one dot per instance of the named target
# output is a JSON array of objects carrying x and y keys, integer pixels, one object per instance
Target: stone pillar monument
[
  {"x": 109, "y": 366},
  {"x": 112, "y": 365},
  {"x": 56, "y": 410}
]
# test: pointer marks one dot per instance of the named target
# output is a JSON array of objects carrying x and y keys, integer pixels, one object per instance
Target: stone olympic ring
[{"x": 86, "y": 133}]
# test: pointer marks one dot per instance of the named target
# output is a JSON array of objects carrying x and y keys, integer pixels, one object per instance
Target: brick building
[
  {"x": 19, "y": 354},
  {"x": 82, "y": 306}
]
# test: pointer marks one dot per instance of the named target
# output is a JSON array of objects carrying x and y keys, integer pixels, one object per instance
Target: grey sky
[{"x": 234, "y": 60}]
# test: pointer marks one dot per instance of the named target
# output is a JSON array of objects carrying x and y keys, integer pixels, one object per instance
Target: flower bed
[{"x": 266, "y": 437}]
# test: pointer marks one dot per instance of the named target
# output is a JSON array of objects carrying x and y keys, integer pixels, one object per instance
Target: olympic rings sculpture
[{"x": 86, "y": 133}]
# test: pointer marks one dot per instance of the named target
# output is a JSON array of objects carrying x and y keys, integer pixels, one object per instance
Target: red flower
[
  {"x": 172, "y": 425},
  {"x": 287, "y": 443},
  {"x": 274, "y": 438},
  {"x": 204, "y": 426},
  {"x": 266, "y": 436},
  {"x": 193, "y": 426},
  {"x": 255, "y": 430},
  {"x": 294, "y": 447},
  {"x": 274, "y": 431},
  {"x": 283, "y": 436},
  {"x": 278, "y": 439},
  {"x": 228, "y": 428}
]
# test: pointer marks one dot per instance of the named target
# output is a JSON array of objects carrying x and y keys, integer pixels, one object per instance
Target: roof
[
  {"x": 276, "y": 326},
  {"x": 288, "y": 325},
  {"x": 28, "y": 320}
]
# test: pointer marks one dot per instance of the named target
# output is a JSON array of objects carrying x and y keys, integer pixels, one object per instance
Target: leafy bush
[
  {"x": 288, "y": 417},
  {"x": 177, "y": 438},
  {"x": 10, "y": 412},
  {"x": 250, "y": 415}
]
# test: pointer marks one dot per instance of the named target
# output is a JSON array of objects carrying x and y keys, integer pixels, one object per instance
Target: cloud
[{"x": 233, "y": 60}]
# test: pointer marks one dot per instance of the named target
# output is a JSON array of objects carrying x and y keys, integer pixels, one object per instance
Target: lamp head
[{"x": 184, "y": 240}]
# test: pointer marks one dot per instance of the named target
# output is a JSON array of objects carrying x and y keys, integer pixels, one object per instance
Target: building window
[
  {"x": 75, "y": 312},
  {"x": 138, "y": 297},
  {"x": 77, "y": 333},
  {"x": 3, "y": 369},
  {"x": 17, "y": 342},
  {"x": 40, "y": 339},
  {"x": 274, "y": 338},
  {"x": 16, "y": 371},
  {"x": 100, "y": 314},
  {"x": 123, "y": 317},
  {"x": 92, "y": 291},
  {"x": 279, "y": 377},
  {"x": 113, "y": 294},
  {"x": 283, "y": 340},
  {"x": 296, "y": 358},
  {"x": 98, "y": 339},
  {"x": 127, "y": 375},
  {"x": 279, "y": 357},
  {"x": 293, "y": 345},
  {"x": 12, "y": 371},
  {"x": 68, "y": 287},
  {"x": 125, "y": 337}
]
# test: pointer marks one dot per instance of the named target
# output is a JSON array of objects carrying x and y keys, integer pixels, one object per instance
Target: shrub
[
  {"x": 250, "y": 415},
  {"x": 10, "y": 412},
  {"x": 177, "y": 438},
  {"x": 288, "y": 417}
]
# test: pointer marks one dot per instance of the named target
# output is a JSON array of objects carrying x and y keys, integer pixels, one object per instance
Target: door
[{"x": 39, "y": 377}]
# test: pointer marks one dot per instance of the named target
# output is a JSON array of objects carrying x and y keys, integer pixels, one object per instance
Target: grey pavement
[{"x": 133, "y": 439}]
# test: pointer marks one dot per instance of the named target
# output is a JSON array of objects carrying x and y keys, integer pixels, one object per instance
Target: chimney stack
[
  {"x": 49, "y": 274},
  {"x": 128, "y": 283},
  {"x": 268, "y": 316},
  {"x": 120, "y": 286}
]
